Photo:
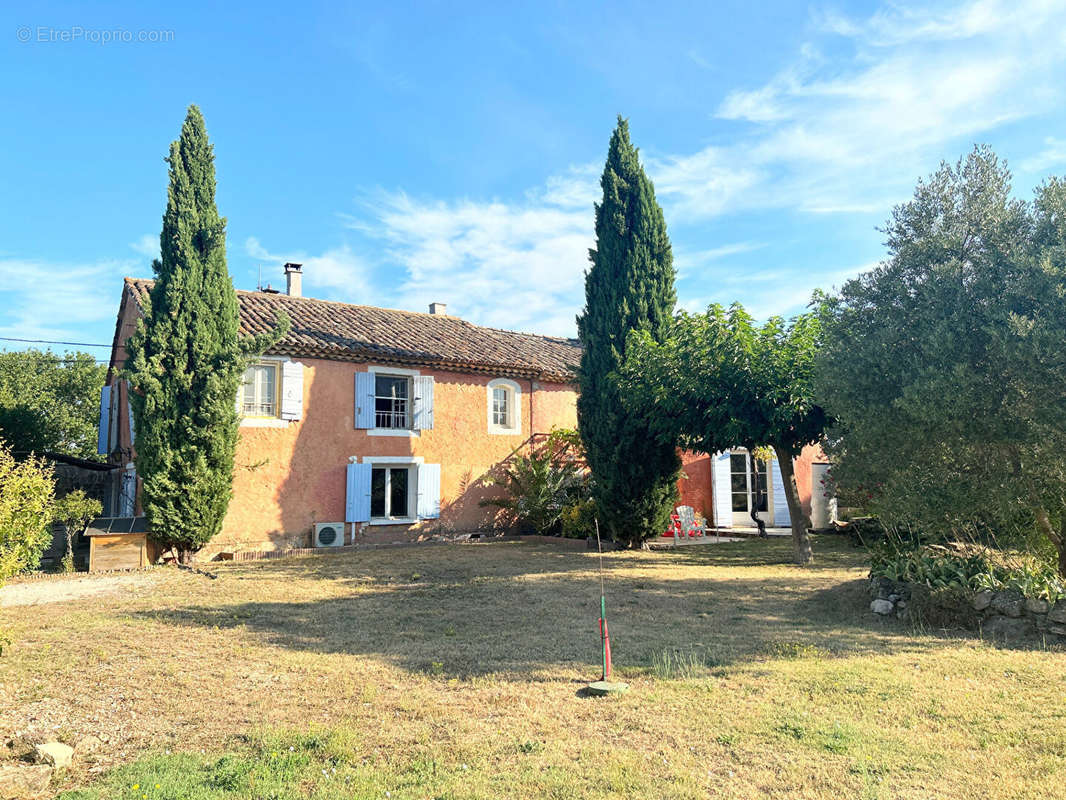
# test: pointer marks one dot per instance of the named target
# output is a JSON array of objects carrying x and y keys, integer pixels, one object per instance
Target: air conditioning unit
[{"x": 329, "y": 534}]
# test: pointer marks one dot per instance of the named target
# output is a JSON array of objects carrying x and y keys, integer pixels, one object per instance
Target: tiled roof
[{"x": 345, "y": 332}]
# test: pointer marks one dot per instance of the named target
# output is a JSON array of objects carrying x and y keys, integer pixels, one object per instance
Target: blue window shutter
[
  {"x": 364, "y": 400},
  {"x": 782, "y": 519},
  {"x": 723, "y": 499},
  {"x": 428, "y": 491},
  {"x": 423, "y": 405},
  {"x": 357, "y": 499},
  {"x": 129, "y": 413},
  {"x": 292, "y": 390},
  {"x": 105, "y": 421}
]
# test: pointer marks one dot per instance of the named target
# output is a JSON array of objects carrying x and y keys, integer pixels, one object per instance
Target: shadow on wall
[{"x": 425, "y": 613}]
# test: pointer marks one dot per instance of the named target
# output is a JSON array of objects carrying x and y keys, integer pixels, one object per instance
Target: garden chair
[{"x": 687, "y": 517}]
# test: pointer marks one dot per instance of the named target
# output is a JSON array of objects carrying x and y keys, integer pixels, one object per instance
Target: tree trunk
[
  {"x": 1057, "y": 538},
  {"x": 800, "y": 521}
]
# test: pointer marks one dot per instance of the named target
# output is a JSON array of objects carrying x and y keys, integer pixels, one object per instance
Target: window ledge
[
  {"x": 497, "y": 431},
  {"x": 392, "y": 432},
  {"x": 264, "y": 422},
  {"x": 404, "y": 521}
]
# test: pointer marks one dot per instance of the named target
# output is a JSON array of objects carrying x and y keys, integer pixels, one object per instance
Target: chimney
[
  {"x": 294, "y": 279},
  {"x": 438, "y": 308}
]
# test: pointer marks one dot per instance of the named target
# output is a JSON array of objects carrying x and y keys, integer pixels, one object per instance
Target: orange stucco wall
[{"x": 288, "y": 478}]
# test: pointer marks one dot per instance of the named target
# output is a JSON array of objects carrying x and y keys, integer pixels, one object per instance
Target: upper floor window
[
  {"x": 392, "y": 401},
  {"x": 505, "y": 414},
  {"x": 259, "y": 391}
]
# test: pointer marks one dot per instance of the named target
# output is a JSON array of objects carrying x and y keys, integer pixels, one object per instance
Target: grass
[{"x": 457, "y": 672}]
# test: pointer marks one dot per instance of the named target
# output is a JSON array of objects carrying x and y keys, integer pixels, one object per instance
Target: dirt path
[{"x": 34, "y": 593}]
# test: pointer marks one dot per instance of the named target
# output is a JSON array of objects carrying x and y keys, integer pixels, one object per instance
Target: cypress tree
[
  {"x": 187, "y": 356},
  {"x": 630, "y": 286}
]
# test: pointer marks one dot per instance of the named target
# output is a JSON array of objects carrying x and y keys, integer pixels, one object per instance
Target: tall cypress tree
[
  {"x": 629, "y": 286},
  {"x": 187, "y": 356}
]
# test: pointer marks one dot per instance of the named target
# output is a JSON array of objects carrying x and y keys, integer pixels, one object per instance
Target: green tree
[
  {"x": 50, "y": 402},
  {"x": 944, "y": 364},
  {"x": 27, "y": 494},
  {"x": 630, "y": 286},
  {"x": 718, "y": 381},
  {"x": 187, "y": 356},
  {"x": 75, "y": 510}
]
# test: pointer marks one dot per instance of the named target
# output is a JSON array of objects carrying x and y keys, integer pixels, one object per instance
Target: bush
[
  {"x": 969, "y": 568},
  {"x": 579, "y": 519},
  {"x": 27, "y": 492},
  {"x": 75, "y": 511},
  {"x": 540, "y": 486}
]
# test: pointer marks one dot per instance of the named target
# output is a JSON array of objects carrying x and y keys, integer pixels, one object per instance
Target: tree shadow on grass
[{"x": 443, "y": 612}]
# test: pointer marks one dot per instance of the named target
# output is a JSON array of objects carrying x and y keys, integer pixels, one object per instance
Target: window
[
  {"x": 501, "y": 403},
  {"x": 392, "y": 395},
  {"x": 259, "y": 391},
  {"x": 390, "y": 493},
  {"x": 742, "y": 484},
  {"x": 503, "y": 406}
]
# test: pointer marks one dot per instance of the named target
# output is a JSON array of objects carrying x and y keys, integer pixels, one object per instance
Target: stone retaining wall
[{"x": 1006, "y": 613}]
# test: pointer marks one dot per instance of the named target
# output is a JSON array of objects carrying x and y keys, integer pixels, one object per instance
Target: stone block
[
  {"x": 55, "y": 754},
  {"x": 880, "y": 606},
  {"x": 983, "y": 600},
  {"x": 1009, "y": 604},
  {"x": 1057, "y": 615},
  {"x": 23, "y": 780},
  {"x": 1035, "y": 606}
]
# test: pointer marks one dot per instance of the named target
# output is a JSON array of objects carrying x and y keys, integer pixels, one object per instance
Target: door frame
[{"x": 742, "y": 519}]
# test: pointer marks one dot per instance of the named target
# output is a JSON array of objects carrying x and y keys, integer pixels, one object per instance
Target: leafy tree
[
  {"x": 630, "y": 286},
  {"x": 27, "y": 492},
  {"x": 187, "y": 356},
  {"x": 542, "y": 485},
  {"x": 944, "y": 364},
  {"x": 75, "y": 511},
  {"x": 50, "y": 402},
  {"x": 718, "y": 381}
]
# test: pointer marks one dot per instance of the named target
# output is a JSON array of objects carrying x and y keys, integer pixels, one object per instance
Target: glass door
[{"x": 742, "y": 488}]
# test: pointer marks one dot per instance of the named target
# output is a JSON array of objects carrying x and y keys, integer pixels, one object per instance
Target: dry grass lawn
[{"x": 455, "y": 671}]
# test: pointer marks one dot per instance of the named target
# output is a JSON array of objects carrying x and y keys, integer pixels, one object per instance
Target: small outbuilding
[{"x": 120, "y": 543}]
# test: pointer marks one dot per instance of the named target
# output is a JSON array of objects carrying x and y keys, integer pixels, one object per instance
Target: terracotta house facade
[{"x": 370, "y": 425}]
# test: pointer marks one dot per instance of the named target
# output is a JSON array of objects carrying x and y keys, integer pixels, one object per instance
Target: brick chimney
[
  {"x": 294, "y": 279},
  {"x": 438, "y": 308}
]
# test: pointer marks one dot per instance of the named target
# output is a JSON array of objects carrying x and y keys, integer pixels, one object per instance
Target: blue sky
[{"x": 412, "y": 152}]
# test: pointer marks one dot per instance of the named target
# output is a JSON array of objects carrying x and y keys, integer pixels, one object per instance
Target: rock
[
  {"x": 881, "y": 588},
  {"x": 55, "y": 754},
  {"x": 893, "y": 598},
  {"x": 24, "y": 780},
  {"x": 1058, "y": 613},
  {"x": 1058, "y": 630},
  {"x": 982, "y": 600},
  {"x": 881, "y": 607},
  {"x": 1000, "y": 628},
  {"x": 1035, "y": 606},
  {"x": 1009, "y": 604}
]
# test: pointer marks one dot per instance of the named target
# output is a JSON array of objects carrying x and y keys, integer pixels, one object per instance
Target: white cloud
[
  {"x": 851, "y": 133},
  {"x": 60, "y": 301},
  {"x": 1053, "y": 154},
  {"x": 147, "y": 245},
  {"x": 338, "y": 270}
]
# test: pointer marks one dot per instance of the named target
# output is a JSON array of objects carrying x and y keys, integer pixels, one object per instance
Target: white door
[{"x": 742, "y": 490}]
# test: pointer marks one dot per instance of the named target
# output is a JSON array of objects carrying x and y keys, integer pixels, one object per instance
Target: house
[{"x": 383, "y": 425}]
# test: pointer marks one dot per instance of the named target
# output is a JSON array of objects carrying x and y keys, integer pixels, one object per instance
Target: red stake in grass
[{"x": 604, "y": 685}]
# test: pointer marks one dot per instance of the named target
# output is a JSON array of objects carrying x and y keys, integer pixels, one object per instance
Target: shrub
[
  {"x": 579, "y": 519},
  {"x": 75, "y": 510},
  {"x": 538, "y": 487},
  {"x": 968, "y": 568},
  {"x": 27, "y": 490}
]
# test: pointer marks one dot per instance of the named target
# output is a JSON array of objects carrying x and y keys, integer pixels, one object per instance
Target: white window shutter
[
  {"x": 723, "y": 498},
  {"x": 129, "y": 413},
  {"x": 423, "y": 405},
  {"x": 292, "y": 390},
  {"x": 428, "y": 491},
  {"x": 105, "y": 421},
  {"x": 357, "y": 499},
  {"x": 364, "y": 400},
  {"x": 128, "y": 500},
  {"x": 782, "y": 519}
]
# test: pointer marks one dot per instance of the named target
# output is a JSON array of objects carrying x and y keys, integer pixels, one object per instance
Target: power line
[{"x": 49, "y": 341}]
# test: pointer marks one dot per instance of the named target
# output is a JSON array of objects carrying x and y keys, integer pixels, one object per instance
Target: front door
[{"x": 742, "y": 486}]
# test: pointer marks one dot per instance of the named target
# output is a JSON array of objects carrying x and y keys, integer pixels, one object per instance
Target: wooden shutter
[
  {"x": 781, "y": 515},
  {"x": 357, "y": 500},
  {"x": 428, "y": 491},
  {"x": 364, "y": 400},
  {"x": 423, "y": 405},
  {"x": 723, "y": 498},
  {"x": 104, "y": 436},
  {"x": 292, "y": 390}
]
